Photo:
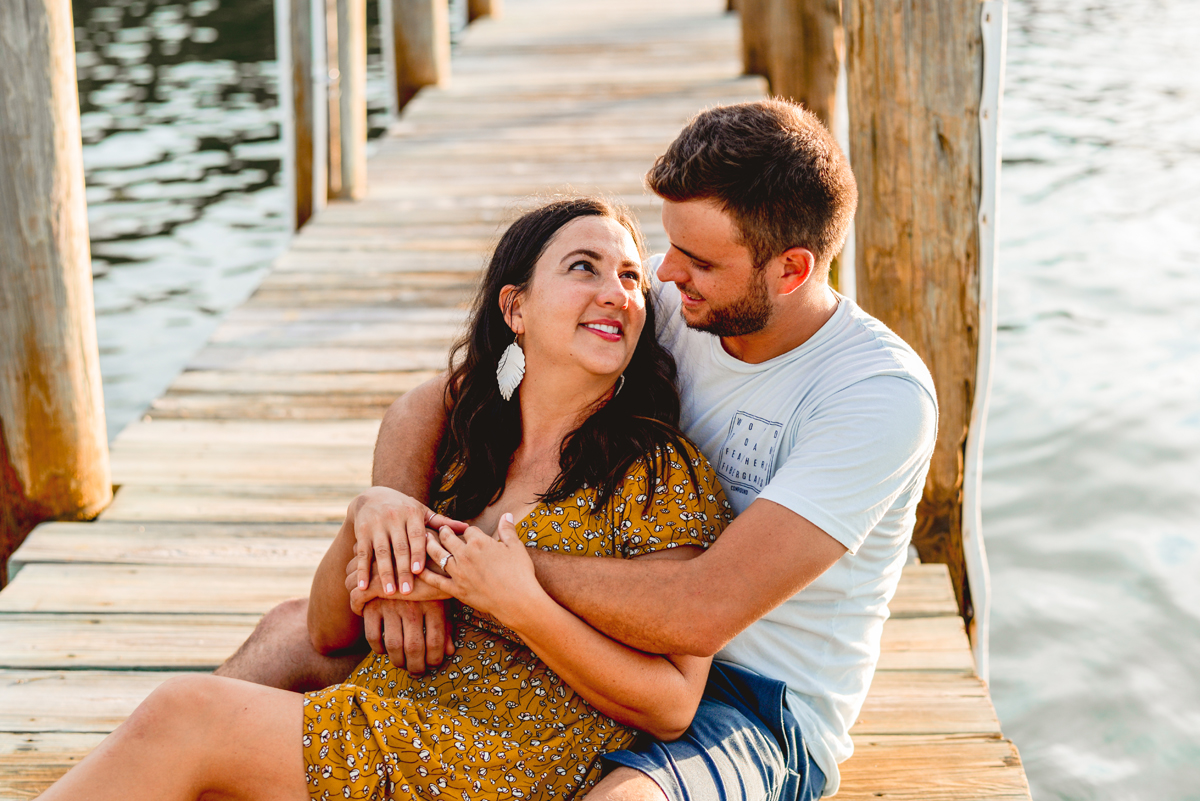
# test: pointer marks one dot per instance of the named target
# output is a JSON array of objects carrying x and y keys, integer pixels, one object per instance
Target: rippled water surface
[
  {"x": 1093, "y": 451},
  {"x": 181, "y": 151}
]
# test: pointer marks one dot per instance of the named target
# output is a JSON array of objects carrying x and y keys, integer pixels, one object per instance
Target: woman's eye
[
  {"x": 582, "y": 265},
  {"x": 632, "y": 275}
]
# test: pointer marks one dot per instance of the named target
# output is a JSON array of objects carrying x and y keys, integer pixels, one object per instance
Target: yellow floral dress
[{"x": 494, "y": 722}]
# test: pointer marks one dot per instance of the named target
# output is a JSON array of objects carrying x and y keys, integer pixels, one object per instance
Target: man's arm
[
  {"x": 409, "y": 436},
  {"x": 764, "y": 557}
]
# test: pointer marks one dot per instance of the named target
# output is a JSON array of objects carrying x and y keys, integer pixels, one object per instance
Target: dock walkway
[{"x": 234, "y": 482}]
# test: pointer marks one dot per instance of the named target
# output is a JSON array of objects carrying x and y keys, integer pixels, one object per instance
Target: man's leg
[
  {"x": 626, "y": 784},
  {"x": 279, "y": 654}
]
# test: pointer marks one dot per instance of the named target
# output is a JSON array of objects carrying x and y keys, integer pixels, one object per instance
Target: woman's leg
[{"x": 198, "y": 737}]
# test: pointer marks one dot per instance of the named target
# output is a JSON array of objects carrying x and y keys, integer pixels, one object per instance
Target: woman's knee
[{"x": 175, "y": 707}]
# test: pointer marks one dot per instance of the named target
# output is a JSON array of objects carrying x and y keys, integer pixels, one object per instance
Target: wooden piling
[
  {"x": 299, "y": 41},
  {"x": 352, "y": 98},
  {"x": 805, "y": 53},
  {"x": 915, "y": 70},
  {"x": 421, "y": 36},
  {"x": 333, "y": 100},
  {"x": 484, "y": 8},
  {"x": 53, "y": 442},
  {"x": 756, "y": 35}
]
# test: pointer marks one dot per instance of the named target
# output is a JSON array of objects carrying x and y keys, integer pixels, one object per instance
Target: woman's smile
[{"x": 608, "y": 330}]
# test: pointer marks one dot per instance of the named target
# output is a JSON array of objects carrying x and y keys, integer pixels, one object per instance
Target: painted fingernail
[
  {"x": 508, "y": 516},
  {"x": 416, "y": 567},
  {"x": 405, "y": 588},
  {"x": 362, "y": 585},
  {"x": 389, "y": 589}
]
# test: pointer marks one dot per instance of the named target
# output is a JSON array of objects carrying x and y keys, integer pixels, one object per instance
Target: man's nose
[{"x": 670, "y": 271}]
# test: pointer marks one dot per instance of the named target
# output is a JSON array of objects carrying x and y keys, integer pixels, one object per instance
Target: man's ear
[
  {"x": 796, "y": 267},
  {"x": 510, "y": 306}
]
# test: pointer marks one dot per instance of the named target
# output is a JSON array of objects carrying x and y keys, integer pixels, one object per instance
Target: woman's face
[{"x": 584, "y": 307}]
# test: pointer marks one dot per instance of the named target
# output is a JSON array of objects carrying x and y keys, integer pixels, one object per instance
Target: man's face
[{"x": 722, "y": 292}]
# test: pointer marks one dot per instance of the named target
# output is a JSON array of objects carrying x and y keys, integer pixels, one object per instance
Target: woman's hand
[
  {"x": 389, "y": 528},
  {"x": 495, "y": 576},
  {"x": 361, "y": 596}
]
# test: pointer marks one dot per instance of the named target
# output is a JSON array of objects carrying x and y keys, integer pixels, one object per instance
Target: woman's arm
[{"x": 657, "y": 694}]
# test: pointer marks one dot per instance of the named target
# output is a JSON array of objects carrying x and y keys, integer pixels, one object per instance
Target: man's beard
[{"x": 749, "y": 314}]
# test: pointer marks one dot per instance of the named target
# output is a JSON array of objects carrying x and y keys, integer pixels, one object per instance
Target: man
[{"x": 820, "y": 423}]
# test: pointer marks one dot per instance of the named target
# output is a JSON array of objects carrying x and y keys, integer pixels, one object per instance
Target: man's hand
[
  {"x": 389, "y": 529},
  {"x": 414, "y": 634}
]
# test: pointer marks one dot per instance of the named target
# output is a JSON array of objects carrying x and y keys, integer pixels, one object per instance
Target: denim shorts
[{"x": 743, "y": 745}]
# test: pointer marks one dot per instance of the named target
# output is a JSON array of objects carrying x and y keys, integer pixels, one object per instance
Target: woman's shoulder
[
  {"x": 671, "y": 497},
  {"x": 681, "y": 459}
]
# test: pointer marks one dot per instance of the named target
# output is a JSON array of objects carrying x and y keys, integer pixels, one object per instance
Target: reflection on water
[
  {"x": 182, "y": 159},
  {"x": 1093, "y": 444},
  {"x": 181, "y": 152}
]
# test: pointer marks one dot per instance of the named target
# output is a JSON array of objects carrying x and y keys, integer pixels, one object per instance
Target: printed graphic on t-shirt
[{"x": 748, "y": 453}]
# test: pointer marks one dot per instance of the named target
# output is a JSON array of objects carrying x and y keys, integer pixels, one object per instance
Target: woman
[{"x": 583, "y": 456}]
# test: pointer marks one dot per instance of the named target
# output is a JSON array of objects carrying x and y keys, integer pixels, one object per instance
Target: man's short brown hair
[{"x": 774, "y": 167}]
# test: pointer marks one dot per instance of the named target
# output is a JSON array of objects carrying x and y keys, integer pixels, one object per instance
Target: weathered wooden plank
[
  {"x": 134, "y": 589},
  {"x": 330, "y": 359},
  {"x": 232, "y": 463},
  {"x": 921, "y": 702},
  {"x": 328, "y": 384},
  {"x": 246, "y": 406},
  {"x": 262, "y": 545},
  {"x": 199, "y": 432},
  {"x": 121, "y": 641},
  {"x": 72, "y": 701},
  {"x": 926, "y": 643},
  {"x": 249, "y": 327},
  {"x": 933, "y": 769},
  {"x": 924, "y": 591},
  {"x": 266, "y": 503}
]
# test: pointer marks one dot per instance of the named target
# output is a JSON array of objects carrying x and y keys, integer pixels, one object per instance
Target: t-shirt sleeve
[
  {"x": 855, "y": 455},
  {"x": 681, "y": 512}
]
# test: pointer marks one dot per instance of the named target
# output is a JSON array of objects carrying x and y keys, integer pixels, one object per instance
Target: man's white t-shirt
[{"x": 839, "y": 431}]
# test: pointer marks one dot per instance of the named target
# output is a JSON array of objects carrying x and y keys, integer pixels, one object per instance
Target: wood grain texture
[
  {"x": 141, "y": 589},
  {"x": 421, "y": 35},
  {"x": 53, "y": 443},
  {"x": 914, "y": 73},
  {"x": 805, "y": 53},
  {"x": 296, "y": 46},
  {"x": 756, "y": 35},
  {"x": 352, "y": 97},
  {"x": 484, "y": 8}
]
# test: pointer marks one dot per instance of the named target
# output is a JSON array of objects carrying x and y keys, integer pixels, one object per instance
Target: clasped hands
[{"x": 397, "y": 588}]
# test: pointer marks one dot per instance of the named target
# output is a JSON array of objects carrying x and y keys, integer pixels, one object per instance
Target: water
[
  {"x": 182, "y": 154},
  {"x": 1093, "y": 444},
  {"x": 1093, "y": 448}
]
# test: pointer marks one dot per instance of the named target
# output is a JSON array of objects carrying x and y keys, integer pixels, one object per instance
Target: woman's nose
[{"x": 614, "y": 293}]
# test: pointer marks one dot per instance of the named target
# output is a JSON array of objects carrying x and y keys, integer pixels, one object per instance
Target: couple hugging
[{"x": 745, "y": 447}]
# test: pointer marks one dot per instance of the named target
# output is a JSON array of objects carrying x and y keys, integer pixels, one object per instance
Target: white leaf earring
[
  {"x": 510, "y": 370},
  {"x": 620, "y": 385}
]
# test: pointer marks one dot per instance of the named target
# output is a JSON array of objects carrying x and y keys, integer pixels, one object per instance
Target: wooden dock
[{"x": 233, "y": 484}]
